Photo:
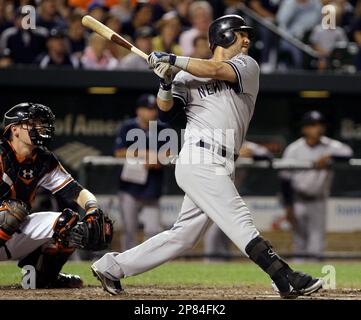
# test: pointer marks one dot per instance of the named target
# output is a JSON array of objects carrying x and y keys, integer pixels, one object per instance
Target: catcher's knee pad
[{"x": 12, "y": 214}]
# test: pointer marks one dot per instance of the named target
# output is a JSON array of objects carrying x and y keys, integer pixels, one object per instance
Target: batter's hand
[
  {"x": 164, "y": 72},
  {"x": 178, "y": 61},
  {"x": 156, "y": 57}
]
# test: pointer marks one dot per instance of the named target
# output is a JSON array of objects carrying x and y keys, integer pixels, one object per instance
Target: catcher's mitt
[
  {"x": 93, "y": 232},
  {"x": 12, "y": 214}
]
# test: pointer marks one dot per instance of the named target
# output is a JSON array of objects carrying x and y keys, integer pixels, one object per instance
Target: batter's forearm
[
  {"x": 210, "y": 69},
  {"x": 165, "y": 105}
]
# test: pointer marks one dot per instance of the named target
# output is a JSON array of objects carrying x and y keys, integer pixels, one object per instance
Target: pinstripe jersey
[{"x": 219, "y": 112}]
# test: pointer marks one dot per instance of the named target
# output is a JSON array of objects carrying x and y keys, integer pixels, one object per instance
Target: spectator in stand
[
  {"x": 48, "y": 16},
  {"x": 347, "y": 15},
  {"x": 182, "y": 8},
  {"x": 324, "y": 41},
  {"x": 142, "y": 16},
  {"x": 143, "y": 41},
  {"x": 233, "y": 7},
  {"x": 297, "y": 17},
  {"x": 115, "y": 24},
  {"x": 218, "y": 7},
  {"x": 201, "y": 48},
  {"x": 201, "y": 17},
  {"x": 122, "y": 10},
  {"x": 169, "y": 28},
  {"x": 97, "y": 10},
  {"x": 58, "y": 52},
  {"x": 5, "y": 59},
  {"x": 5, "y": 22},
  {"x": 83, "y": 4},
  {"x": 96, "y": 56},
  {"x": 25, "y": 45},
  {"x": 356, "y": 34},
  {"x": 160, "y": 8},
  {"x": 63, "y": 9},
  {"x": 76, "y": 35},
  {"x": 267, "y": 9}
]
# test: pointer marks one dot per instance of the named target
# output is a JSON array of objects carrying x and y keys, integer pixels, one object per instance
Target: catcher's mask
[{"x": 34, "y": 117}]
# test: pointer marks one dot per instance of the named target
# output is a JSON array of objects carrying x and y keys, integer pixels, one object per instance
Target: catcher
[{"x": 44, "y": 240}]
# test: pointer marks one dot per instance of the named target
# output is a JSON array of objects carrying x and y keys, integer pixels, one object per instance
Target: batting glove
[
  {"x": 164, "y": 72},
  {"x": 155, "y": 57}
]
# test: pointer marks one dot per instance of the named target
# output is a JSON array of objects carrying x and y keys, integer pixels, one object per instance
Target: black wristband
[{"x": 165, "y": 86}]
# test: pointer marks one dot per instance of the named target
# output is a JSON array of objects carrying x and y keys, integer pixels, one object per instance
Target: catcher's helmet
[
  {"x": 222, "y": 30},
  {"x": 40, "y": 117},
  {"x": 312, "y": 117}
]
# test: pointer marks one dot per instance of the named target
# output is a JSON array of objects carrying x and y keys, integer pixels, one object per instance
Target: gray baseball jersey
[
  {"x": 212, "y": 108},
  {"x": 215, "y": 106},
  {"x": 313, "y": 182},
  {"x": 309, "y": 231}
]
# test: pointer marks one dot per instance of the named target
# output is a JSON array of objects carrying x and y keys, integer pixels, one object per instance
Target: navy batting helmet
[
  {"x": 222, "y": 31},
  {"x": 39, "y": 116},
  {"x": 312, "y": 117}
]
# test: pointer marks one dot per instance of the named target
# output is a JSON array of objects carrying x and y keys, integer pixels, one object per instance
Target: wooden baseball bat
[{"x": 109, "y": 34}]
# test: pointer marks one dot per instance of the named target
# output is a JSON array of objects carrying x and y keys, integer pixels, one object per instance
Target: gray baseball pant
[{"x": 210, "y": 194}]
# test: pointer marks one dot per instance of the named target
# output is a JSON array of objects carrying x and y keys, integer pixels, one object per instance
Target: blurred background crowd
[{"x": 179, "y": 26}]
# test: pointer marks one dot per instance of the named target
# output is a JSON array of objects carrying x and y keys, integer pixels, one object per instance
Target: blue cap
[
  {"x": 97, "y": 4},
  {"x": 147, "y": 101},
  {"x": 312, "y": 117}
]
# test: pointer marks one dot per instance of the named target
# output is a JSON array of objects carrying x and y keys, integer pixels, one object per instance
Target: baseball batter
[
  {"x": 44, "y": 240},
  {"x": 219, "y": 97}
]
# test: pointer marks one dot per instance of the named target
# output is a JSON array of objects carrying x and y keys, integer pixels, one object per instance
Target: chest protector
[{"x": 20, "y": 179}]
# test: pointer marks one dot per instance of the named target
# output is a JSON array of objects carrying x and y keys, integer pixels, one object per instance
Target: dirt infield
[{"x": 167, "y": 293}]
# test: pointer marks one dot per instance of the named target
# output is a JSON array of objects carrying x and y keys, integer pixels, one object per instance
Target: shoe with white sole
[
  {"x": 110, "y": 286},
  {"x": 301, "y": 284}
]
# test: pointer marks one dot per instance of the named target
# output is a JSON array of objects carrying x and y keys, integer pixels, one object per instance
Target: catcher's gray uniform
[
  {"x": 203, "y": 171},
  {"x": 311, "y": 189}
]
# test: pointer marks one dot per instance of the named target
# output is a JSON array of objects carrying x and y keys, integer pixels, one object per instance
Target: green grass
[{"x": 348, "y": 274}]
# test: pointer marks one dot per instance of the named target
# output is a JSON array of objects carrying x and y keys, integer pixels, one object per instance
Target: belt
[
  {"x": 220, "y": 151},
  {"x": 305, "y": 197}
]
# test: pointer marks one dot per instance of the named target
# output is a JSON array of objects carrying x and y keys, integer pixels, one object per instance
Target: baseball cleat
[
  {"x": 110, "y": 286},
  {"x": 64, "y": 281},
  {"x": 301, "y": 284}
]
